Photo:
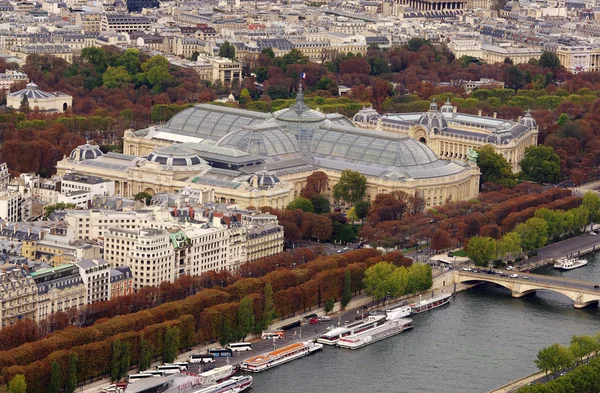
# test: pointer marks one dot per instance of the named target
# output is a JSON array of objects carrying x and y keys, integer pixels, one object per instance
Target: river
[{"x": 481, "y": 340}]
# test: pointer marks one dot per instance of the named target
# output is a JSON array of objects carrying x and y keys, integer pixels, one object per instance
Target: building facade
[
  {"x": 50, "y": 102},
  {"x": 59, "y": 289},
  {"x": 96, "y": 277},
  {"x": 18, "y": 296}
]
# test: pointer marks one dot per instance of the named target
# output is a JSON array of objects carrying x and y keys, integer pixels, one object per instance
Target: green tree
[
  {"x": 540, "y": 164},
  {"x": 346, "y": 234},
  {"x": 96, "y": 57},
  {"x": 269, "y": 305},
  {"x": 227, "y": 49},
  {"x": 156, "y": 71},
  {"x": 549, "y": 60},
  {"x": 419, "y": 278},
  {"x": 533, "y": 233},
  {"x": 226, "y": 333},
  {"x": 494, "y": 168},
  {"x": 320, "y": 203},
  {"x": 119, "y": 360},
  {"x": 514, "y": 78},
  {"x": 187, "y": 329},
  {"x": 24, "y": 106},
  {"x": 351, "y": 187},
  {"x": 555, "y": 222},
  {"x": 301, "y": 203},
  {"x": 144, "y": 197},
  {"x": 554, "y": 358},
  {"x": 171, "y": 345},
  {"x": 245, "y": 318},
  {"x": 145, "y": 355},
  {"x": 245, "y": 97},
  {"x": 292, "y": 57},
  {"x": 17, "y": 384},
  {"x": 59, "y": 206},
  {"x": 563, "y": 119},
  {"x": 347, "y": 294},
  {"x": 55, "y": 376},
  {"x": 72, "y": 376},
  {"x": 115, "y": 77},
  {"x": 269, "y": 52},
  {"x": 581, "y": 346},
  {"x": 362, "y": 209},
  {"x": 130, "y": 60},
  {"x": 509, "y": 245},
  {"x": 415, "y": 43},
  {"x": 591, "y": 201},
  {"x": 329, "y": 304},
  {"x": 384, "y": 279},
  {"x": 481, "y": 250}
]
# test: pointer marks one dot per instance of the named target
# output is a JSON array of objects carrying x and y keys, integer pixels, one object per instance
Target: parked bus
[
  {"x": 183, "y": 366},
  {"x": 239, "y": 347},
  {"x": 154, "y": 373},
  {"x": 202, "y": 358},
  {"x": 169, "y": 369},
  {"x": 136, "y": 377},
  {"x": 269, "y": 334},
  {"x": 219, "y": 352}
]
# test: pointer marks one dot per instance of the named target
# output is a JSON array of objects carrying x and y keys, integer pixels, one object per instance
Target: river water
[{"x": 480, "y": 341}]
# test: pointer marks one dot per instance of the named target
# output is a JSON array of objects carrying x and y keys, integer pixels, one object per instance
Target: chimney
[
  {"x": 495, "y": 114},
  {"x": 479, "y": 113}
]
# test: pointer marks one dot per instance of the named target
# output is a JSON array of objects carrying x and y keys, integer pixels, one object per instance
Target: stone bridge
[{"x": 581, "y": 293}]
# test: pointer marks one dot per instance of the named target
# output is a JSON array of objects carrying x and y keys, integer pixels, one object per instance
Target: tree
[
  {"x": 144, "y": 197},
  {"x": 130, "y": 60},
  {"x": 554, "y": 358},
  {"x": 362, "y": 209},
  {"x": 24, "y": 107},
  {"x": 115, "y": 77},
  {"x": 415, "y": 43},
  {"x": 268, "y": 309},
  {"x": 171, "y": 345},
  {"x": 245, "y": 97},
  {"x": 533, "y": 233},
  {"x": 316, "y": 183},
  {"x": 549, "y": 60},
  {"x": 494, "y": 168},
  {"x": 156, "y": 71},
  {"x": 384, "y": 279},
  {"x": 581, "y": 346},
  {"x": 591, "y": 201},
  {"x": 562, "y": 120},
  {"x": 55, "y": 376},
  {"x": 227, "y": 50},
  {"x": 481, "y": 249},
  {"x": 320, "y": 203},
  {"x": 351, "y": 187},
  {"x": 329, "y": 304},
  {"x": 440, "y": 240},
  {"x": 145, "y": 355},
  {"x": 96, "y": 57},
  {"x": 245, "y": 318},
  {"x": 509, "y": 245},
  {"x": 303, "y": 204},
  {"x": 514, "y": 78},
  {"x": 226, "y": 334},
  {"x": 120, "y": 358},
  {"x": 72, "y": 376},
  {"x": 17, "y": 384},
  {"x": 347, "y": 294},
  {"x": 59, "y": 206},
  {"x": 540, "y": 164}
]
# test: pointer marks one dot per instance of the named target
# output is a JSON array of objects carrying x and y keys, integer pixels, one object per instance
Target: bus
[
  {"x": 219, "y": 352},
  {"x": 239, "y": 347},
  {"x": 169, "y": 369},
  {"x": 202, "y": 358},
  {"x": 269, "y": 334},
  {"x": 136, "y": 377},
  {"x": 154, "y": 373}
]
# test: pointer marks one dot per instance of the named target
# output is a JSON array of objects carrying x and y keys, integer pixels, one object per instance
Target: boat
[
  {"x": 279, "y": 356},
  {"x": 218, "y": 374},
  {"x": 398, "y": 312},
  {"x": 378, "y": 333},
  {"x": 232, "y": 385},
  {"x": 431, "y": 303},
  {"x": 332, "y": 336},
  {"x": 569, "y": 263}
]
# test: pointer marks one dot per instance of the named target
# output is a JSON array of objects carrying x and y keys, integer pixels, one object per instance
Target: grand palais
[{"x": 256, "y": 159}]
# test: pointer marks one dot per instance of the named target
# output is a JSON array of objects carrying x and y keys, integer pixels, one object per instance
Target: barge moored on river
[
  {"x": 279, "y": 356},
  {"x": 378, "y": 333},
  {"x": 431, "y": 303}
]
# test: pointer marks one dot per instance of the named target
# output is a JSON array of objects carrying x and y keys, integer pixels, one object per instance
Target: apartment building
[
  {"x": 92, "y": 224},
  {"x": 465, "y": 44},
  {"x": 18, "y": 296},
  {"x": 96, "y": 277},
  {"x": 14, "y": 206},
  {"x": 9, "y": 78},
  {"x": 58, "y": 253},
  {"x": 492, "y": 54},
  {"x": 147, "y": 252},
  {"x": 58, "y": 50},
  {"x": 121, "y": 281},
  {"x": 59, "y": 289},
  {"x": 93, "y": 185},
  {"x": 264, "y": 240},
  {"x": 90, "y": 22},
  {"x": 124, "y": 23},
  {"x": 579, "y": 58}
]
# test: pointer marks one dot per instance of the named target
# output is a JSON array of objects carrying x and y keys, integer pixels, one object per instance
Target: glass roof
[
  {"x": 212, "y": 121},
  {"x": 265, "y": 141}
]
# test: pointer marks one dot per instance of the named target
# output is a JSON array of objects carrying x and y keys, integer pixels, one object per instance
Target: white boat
[
  {"x": 398, "y": 312},
  {"x": 279, "y": 356},
  {"x": 431, "y": 303},
  {"x": 232, "y": 385},
  {"x": 218, "y": 374},
  {"x": 332, "y": 336},
  {"x": 378, "y": 333},
  {"x": 570, "y": 263}
]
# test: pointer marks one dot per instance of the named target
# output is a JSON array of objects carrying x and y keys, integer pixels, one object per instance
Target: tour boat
[
  {"x": 332, "y": 336},
  {"x": 232, "y": 385},
  {"x": 378, "y": 333},
  {"x": 218, "y": 374},
  {"x": 279, "y": 356},
  {"x": 431, "y": 303},
  {"x": 570, "y": 263},
  {"x": 398, "y": 312}
]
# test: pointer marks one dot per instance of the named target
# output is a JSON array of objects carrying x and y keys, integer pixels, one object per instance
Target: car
[
  {"x": 466, "y": 269},
  {"x": 345, "y": 248},
  {"x": 419, "y": 251},
  {"x": 490, "y": 272},
  {"x": 593, "y": 233},
  {"x": 526, "y": 277},
  {"x": 476, "y": 270},
  {"x": 503, "y": 275},
  {"x": 509, "y": 268},
  {"x": 314, "y": 321},
  {"x": 514, "y": 275},
  {"x": 324, "y": 318},
  {"x": 310, "y": 316},
  {"x": 376, "y": 312},
  {"x": 340, "y": 251}
]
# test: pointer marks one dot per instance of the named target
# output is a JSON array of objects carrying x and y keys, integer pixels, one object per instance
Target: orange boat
[{"x": 279, "y": 356}]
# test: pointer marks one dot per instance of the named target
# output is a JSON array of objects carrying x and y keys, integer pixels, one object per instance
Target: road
[{"x": 566, "y": 247}]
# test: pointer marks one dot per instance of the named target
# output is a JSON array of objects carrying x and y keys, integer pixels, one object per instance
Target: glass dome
[
  {"x": 528, "y": 121},
  {"x": 433, "y": 119},
  {"x": 299, "y": 112},
  {"x": 175, "y": 156},
  {"x": 264, "y": 141},
  {"x": 263, "y": 179},
  {"x": 365, "y": 115},
  {"x": 86, "y": 152}
]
